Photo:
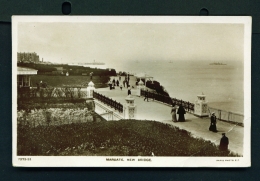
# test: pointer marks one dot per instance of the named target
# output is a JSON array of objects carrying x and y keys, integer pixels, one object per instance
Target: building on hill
[{"x": 27, "y": 57}]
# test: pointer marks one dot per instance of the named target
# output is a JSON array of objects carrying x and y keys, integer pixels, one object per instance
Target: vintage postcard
[{"x": 131, "y": 91}]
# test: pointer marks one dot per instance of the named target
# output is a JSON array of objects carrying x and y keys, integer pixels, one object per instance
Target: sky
[{"x": 118, "y": 42}]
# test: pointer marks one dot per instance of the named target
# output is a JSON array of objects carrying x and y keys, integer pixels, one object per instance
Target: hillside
[{"x": 113, "y": 138}]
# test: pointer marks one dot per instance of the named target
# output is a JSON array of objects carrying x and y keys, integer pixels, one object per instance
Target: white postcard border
[{"x": 101, "y": 161}]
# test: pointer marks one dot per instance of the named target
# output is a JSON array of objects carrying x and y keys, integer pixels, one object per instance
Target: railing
[
  {"x": 116, "y": 105},
  {"x": 187, "y": 105},
  {"x": 107, "y": 113},
  {"x": 168, "y": 100},
  {"x": 231, "y": 117},
  {"x": 66, "y": 92}
]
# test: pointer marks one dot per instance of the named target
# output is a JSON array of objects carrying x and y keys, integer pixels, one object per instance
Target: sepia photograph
[{"x": 131, "y": 91}]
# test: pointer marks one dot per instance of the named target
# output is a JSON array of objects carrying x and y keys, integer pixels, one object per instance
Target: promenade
[{"x": 153, "y": 110}]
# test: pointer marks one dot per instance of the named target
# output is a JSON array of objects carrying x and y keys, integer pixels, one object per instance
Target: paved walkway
[{"x": 157, "y": 111}]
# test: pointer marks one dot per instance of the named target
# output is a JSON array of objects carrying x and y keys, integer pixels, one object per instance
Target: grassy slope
[{"x": 113, "y": 138}]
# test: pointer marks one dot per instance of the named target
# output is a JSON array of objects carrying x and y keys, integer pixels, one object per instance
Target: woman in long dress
[
  {"x": 173, "y": 112},
  {"x": 213, "y": 122},
  {"x": 181, "y": 111}
]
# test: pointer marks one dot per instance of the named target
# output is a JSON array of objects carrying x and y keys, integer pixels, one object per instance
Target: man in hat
[
  {"x": 129, "y": 90},
  {"x": 213, "y": 122},
  {"x": 223, "y": 146}
]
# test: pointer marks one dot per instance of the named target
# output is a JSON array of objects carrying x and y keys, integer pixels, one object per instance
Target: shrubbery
[
  {"x": 154, "y": 85},
  {"x": 157, "y": 87},
  {"x": 53, "y": 116},
  {"x": 54, "y": 111}
]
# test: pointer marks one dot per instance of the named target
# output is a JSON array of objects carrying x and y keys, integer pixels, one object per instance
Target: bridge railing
[
  {"x": 222, "y": 115},
  {"x": 187, "y": 105},
  {"x": 227, "y": 116},
  {"x": 168, "y": 100},
  {"x": 108, "y": 101}
]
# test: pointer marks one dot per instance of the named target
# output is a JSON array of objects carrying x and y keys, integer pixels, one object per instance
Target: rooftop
[{"x": 26, "y": 71}]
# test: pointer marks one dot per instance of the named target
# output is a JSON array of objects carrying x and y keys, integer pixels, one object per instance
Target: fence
[
  {"x": 116, "y": 105},
  {"x": 168, "y": 100},
  {"x": 66, "y": 92},
  {"x": 187, "y": 105},
  {"x": 228, "y": 116}
]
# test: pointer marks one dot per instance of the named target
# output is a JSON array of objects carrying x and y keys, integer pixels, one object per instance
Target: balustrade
[
  {"x": 116, "y": 105},
  {"x": 168, "y": 100}
]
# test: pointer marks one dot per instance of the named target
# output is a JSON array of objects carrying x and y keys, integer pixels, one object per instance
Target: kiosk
[
  {"x": 90, "y": 89},
  {"x": 201, "y": 106},
  {"x": 130, "y": 108}
]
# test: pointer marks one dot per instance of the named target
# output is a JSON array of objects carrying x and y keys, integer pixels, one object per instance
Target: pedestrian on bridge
[
  {"x": 181, "y": 111},
  {"x": 129, "y": 90},
  {"x": 213, "y": 123},
  {"x": 224, "y": 143},
  {"x": 146, "y": 95},
  {"x": 114, "y": 82},
  {"x": 173, "y": 112},
  {"x": 110, "y": 84},
  {"x": 128, "y": 77}
]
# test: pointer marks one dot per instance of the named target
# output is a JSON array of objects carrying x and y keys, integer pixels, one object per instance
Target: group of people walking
[
  {"x": 113, "y": 83},
  {"x": 224, "y": 141},
  {"x": 180, "y": 111}
]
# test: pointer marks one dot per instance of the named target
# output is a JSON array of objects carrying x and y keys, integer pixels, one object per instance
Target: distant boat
[
  {"x": 217, "y": 63},
  {"x": 170, "y": 61},
  {"x": 93, "y": 63}
]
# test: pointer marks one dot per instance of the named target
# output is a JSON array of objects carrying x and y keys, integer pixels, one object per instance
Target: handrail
[
  {"x": 108, "y": 111},
  {"x": 228, "y": 116},
  {"x": 221, "y": 114},
  {"x": 168, "y": 100},
  {"x": 114, "y": 104}
]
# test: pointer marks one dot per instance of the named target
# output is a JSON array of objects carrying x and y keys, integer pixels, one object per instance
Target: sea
[{"x": 223, "y": 85}]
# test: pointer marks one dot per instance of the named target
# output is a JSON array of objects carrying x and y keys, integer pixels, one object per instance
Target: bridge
[{"x": 161, "y": 112}]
